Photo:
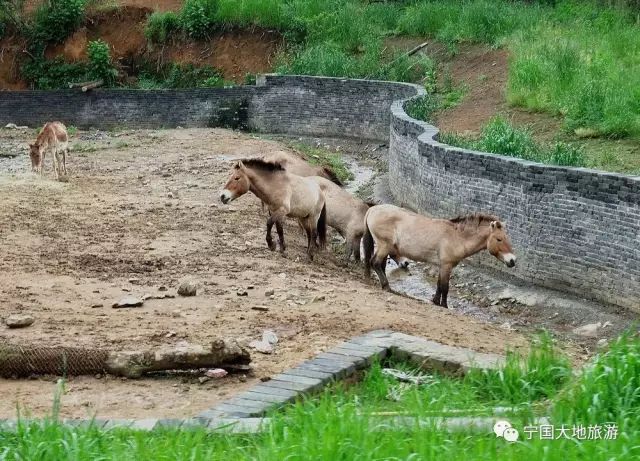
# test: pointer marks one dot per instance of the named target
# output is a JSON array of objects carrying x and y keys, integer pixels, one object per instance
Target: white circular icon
[
  {"x": 500, "y": 426},
  {"x": 510, "y": 434}
]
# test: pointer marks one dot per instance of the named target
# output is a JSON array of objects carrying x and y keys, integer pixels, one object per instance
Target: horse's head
[
  {"x": 237, "y": 185},
  {"x": 499, "y": 245}
]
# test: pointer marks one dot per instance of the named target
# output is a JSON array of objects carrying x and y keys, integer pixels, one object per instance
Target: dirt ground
[{"x": 141, "y": 211}]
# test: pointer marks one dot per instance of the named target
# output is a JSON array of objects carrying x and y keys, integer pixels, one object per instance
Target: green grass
[
  {"x": 499, "y": 136},
  {"x": 583, "y": 64},
  {"x": 322, "y": 157},
  {"x": 341, "y": 424}
]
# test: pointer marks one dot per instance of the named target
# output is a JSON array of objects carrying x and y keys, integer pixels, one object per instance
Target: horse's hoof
[{"x": 272, "y": 246}]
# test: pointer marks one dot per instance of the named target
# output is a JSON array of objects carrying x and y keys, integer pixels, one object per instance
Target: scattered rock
[
  {"x": 134, "y": 280},
  {"x": 13, "y": 126},
  {"x": 162, "y": 296},
  {"x": 590, "y": 330},
  {"x": 216, "y": 373},
  {"x": 128, "y": 301},
  {"x": 602, "y": 342},
  {"x": 269, "y": 292},
  {"x": 270, "y": 337},
  {"x": 203, "y": 379},
  {"x": 19, "y": 320},
  {"x": 96, "y": 305},
  {"x": 170, "y": 334},
  {"x": 162, "y": 288},
  {"x": 264, "y": 379},
  {"x": 176, "y": 313},
  {"x": 243, "y": 378},
  {"x": 260, "y": 308},
  {"x": 261, "y": 346},
  {"x": 242, "y": 292},
  {"x": 318, "y": 298},
  {"x": 188, "y": 287}
]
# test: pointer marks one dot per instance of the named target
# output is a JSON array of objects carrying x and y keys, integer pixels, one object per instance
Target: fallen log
[{"x": 24, "y": 361}]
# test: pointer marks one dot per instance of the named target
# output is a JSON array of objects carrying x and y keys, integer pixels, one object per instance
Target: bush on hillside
[
  {"x": 198, "y": 17},
  {"x": 161, "y": 25}
]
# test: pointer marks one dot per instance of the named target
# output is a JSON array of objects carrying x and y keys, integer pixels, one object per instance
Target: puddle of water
[
  {"x": 415, "y": 284},
  {"x": 361, "y": 174}
]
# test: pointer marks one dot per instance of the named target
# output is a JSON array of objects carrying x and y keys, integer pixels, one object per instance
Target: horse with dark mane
[
  {"x": 399, "y": 232},
  {"x": 285, "y": 194}
]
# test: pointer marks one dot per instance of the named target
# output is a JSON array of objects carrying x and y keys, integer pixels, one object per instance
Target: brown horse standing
[
  {"x": 285, "y": 194},
  {"x": 345, "y": 213},
  {"x": 296, "y": 165},
  {"x": 53, "y": 137},
  {"x": 399, "y": 232}
]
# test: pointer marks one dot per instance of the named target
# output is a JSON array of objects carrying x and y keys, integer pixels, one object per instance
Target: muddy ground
[{"x": 140, "y": 211}]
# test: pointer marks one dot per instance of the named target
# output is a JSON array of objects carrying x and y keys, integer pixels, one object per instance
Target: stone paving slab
[{"x": 244, "y": 412}]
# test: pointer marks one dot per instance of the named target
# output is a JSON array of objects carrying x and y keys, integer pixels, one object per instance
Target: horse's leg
[
  {"x": 311, "y": 240},
  {"x": 56, "y": 168},
  {"x": 280, "y": 236},
  {"x": 442, "y": 289},
  {"x": 379, "y": 263},
  {"x": 355, "y": 247},
  {"x": 270, "y": 222},
  {"x": 64, "y": 160}
]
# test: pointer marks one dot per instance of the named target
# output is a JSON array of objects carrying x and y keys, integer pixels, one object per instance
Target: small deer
[{"x": 53, "y": 137}]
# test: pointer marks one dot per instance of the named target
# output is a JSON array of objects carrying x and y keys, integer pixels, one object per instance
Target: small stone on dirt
[
  {"x": 134, "y": 280},
  {"x": 203, "y": 379},
  {"x": 188, "y": 287},
  {"x": 216, "y": 373},
  {"x": 96, "y": 305},
  {"x": 260, "y": 308},
  {"x": 261, "y": 346},
  {"x": 270, "y": 337},
  {"x": 162, "y": 288},
  {"x": 590, "y": 330},
  {"x": 269, "y": 292},
  {"x": 128, "y": 301},
  {"x": 242, "y": 292},
  {"x": 19, "y": 320}
]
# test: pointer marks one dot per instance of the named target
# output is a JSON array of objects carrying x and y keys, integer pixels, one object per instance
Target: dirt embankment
[{"x": 235, "y": 53}]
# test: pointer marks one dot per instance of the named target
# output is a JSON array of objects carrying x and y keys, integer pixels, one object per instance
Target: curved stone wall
[{"x": 574, "y": 229}]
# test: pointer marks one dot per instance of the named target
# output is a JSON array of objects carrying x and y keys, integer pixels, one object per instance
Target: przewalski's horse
[
  {"x": 296, "y": 165},
  {"x": 285, "y": 194},
  {"x": 345, "y": 213},
  {"x": 399, "y": 232},
  {"x": 53, "y": 137}
]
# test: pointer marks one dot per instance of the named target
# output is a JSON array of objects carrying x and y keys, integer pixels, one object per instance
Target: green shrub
[
  {"x": 100, "y": 66},
  {"x": 161, "y": 25},
  {"x": 499, "y": 136},
  {"x": 422, "y": 108},
  {"x": 52, "y": 74},
  {"x": 198, "y": 17},
  {"x": 524, "y": 379},
  {"x": 608, "y": 389},
  {"x": 180, "y": 76},
  {"x": 55, "y": 20}
]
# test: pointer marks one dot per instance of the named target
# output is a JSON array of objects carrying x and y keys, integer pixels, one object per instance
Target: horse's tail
[
  {"x": 367, "y": 244},
  {"x": 331, "y": 175},
  {"x": 322, "y": 227}
]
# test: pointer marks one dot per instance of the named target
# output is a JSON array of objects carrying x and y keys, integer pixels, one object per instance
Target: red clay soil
[
  {"x": 10, "y": 53},
  {"x": 235, "y": 53}
]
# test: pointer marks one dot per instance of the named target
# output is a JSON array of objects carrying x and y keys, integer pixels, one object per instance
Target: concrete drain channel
[{"x": 245, "y": 412}]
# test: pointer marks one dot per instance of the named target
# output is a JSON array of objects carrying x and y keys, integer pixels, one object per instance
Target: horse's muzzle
[
  {"x": 225, "y": 196},
  {"x": 509, "y": 259}
]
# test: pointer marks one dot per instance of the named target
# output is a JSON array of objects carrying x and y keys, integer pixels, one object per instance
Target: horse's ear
[
  {"x": 496, "y": 225},
  {"x": 240, "y": 165}
]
